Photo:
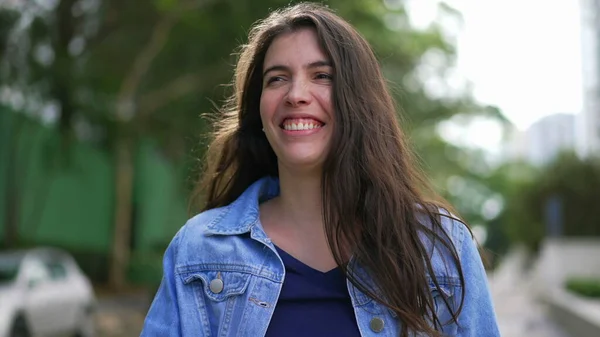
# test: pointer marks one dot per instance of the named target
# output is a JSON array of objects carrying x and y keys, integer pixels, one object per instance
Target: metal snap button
[
  {"x": 377, "y": 324},
  {"x": 216, "y": 285}
]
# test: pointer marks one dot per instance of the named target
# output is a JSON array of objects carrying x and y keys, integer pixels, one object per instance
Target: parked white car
[{"x": 44, "y": 293}]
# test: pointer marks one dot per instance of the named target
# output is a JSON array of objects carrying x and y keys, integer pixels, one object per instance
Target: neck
[{"x": 300, "y": 199}]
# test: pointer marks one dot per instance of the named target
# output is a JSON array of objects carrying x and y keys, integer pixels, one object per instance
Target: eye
[
  {"x": 323, "y": 76},
  {"x": 274, "y": 79}
]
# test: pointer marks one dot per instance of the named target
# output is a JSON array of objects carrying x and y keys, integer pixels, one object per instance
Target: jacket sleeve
[
  {"x": 163, "y": 316},
  {"x": 477, "y": 318}
]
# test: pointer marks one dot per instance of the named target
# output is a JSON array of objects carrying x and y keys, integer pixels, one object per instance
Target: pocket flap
[
  {"x": 444, "y": 290},
  {"x": 231, "y": 283}
]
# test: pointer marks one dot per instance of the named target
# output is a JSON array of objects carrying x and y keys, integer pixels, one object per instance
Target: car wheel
[
  {"x": 19, "y": 328},
  {"x": 86, "y": 326}
]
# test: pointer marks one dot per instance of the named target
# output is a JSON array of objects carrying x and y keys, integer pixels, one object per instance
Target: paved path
[{"x": 519, "y": 314}]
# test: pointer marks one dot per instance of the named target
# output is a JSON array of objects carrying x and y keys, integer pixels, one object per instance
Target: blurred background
[{"x": 102, "y": 135}]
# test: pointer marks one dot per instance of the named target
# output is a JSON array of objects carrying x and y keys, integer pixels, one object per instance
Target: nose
[{"x": 298, "y": 93}]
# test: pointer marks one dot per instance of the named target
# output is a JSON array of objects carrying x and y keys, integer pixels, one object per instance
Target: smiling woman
[
  {"x": 315, "y": 220},
  {"x": 295, "y": 104}
]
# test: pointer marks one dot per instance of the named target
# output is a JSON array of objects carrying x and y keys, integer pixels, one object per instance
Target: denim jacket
[{"x": 223, "y": 276}]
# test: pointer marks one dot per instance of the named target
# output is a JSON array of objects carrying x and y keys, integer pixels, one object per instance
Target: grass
[{"x": 587, "y": 287}]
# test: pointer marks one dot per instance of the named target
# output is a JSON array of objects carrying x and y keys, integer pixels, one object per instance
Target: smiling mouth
[{"x": 301, "y": 124}]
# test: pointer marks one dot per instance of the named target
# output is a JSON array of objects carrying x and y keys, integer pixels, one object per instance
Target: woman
[{"x": 315, "y": 222}]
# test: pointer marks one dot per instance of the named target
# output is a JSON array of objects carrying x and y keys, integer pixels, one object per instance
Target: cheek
[
  {"x": 260, "y": 110},
  {"x": 267, "y": 106},
  {"x": 326, "y": 101},
  {"x": 263, "y": 110}
]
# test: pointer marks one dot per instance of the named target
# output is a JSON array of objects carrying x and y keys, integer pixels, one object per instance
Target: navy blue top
[{"x": 312, "y": 303}]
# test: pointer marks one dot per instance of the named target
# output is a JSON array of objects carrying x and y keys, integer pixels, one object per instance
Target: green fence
[{"x": 65, "y": 195}]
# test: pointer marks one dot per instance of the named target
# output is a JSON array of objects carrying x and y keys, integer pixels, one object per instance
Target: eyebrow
[{"x": 315, "y": 64}]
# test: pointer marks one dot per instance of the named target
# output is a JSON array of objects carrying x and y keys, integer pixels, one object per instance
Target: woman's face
[{"x": 295, "y": 105}]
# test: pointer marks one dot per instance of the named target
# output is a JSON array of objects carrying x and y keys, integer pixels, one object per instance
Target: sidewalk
[
  {"x": 519, "y": 314},
  {"x": 121, "y": 316}
]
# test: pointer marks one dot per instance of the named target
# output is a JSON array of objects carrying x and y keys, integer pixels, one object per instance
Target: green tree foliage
[
  {"x": 114, "y": 72},
  {"x": 157, "y": 65},
  {"x": 511, "y": 181},
  {"x": 576, "y": 183},
  {"x": 527, "y": 190}
]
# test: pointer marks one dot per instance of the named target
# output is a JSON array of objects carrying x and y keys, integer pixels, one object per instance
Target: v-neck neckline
[{"x": 290, "y": 261}]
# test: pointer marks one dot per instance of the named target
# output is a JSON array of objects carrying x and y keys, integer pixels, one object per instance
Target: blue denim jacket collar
[{"x": 242, "y": 215}]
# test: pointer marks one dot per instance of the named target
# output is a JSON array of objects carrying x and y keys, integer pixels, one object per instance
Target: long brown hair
[{"x": 373, "y": 194}]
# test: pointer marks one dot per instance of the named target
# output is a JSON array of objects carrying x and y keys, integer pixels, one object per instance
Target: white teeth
[{"x": 300, "y": 126}]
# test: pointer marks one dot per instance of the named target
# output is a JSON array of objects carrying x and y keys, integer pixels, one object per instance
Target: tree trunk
[
  {"x": 123, "y": 208},
  {"x": 18, "y": 167},
  {"x": 126, "y": 109},
  {"x": 12, "y": 191}
]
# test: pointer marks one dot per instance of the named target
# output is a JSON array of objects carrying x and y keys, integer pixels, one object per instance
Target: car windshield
[{"x": 9, "y": 266}]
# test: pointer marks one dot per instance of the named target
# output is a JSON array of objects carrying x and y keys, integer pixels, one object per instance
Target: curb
[{"x": 577, "y": 315}]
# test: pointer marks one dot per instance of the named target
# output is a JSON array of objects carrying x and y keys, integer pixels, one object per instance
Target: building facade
[
  {"x": 588, "y": 134},
  {"x": 546, "y": 138}
]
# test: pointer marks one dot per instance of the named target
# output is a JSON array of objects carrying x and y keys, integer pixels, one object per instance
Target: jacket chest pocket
[
  {"x": 220, "y": 296},
  {"x": 445, "y": 294}
]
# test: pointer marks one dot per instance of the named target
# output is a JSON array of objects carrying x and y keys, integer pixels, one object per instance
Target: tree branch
[
  {"x": 143, "y": 61},
  {"x": 177, "y": 88}
]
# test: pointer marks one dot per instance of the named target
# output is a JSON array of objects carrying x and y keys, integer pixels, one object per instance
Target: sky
[{"x": 523, "y": 56}]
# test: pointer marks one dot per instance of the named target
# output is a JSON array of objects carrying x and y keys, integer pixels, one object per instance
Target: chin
[{"x": 304, "y": 163}]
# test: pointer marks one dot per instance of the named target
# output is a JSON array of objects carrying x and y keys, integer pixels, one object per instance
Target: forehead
[{"x": 300, "y": 46}]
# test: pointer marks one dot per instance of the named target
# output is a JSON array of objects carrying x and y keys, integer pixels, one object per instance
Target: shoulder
[
  {"x": 199, "y": 224},
  {"x": 191, "y": 237},
  {"x": 444, "y": 237},
  {"x": 456, "y": 229},
  {"x": 220, "y": 235}
]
